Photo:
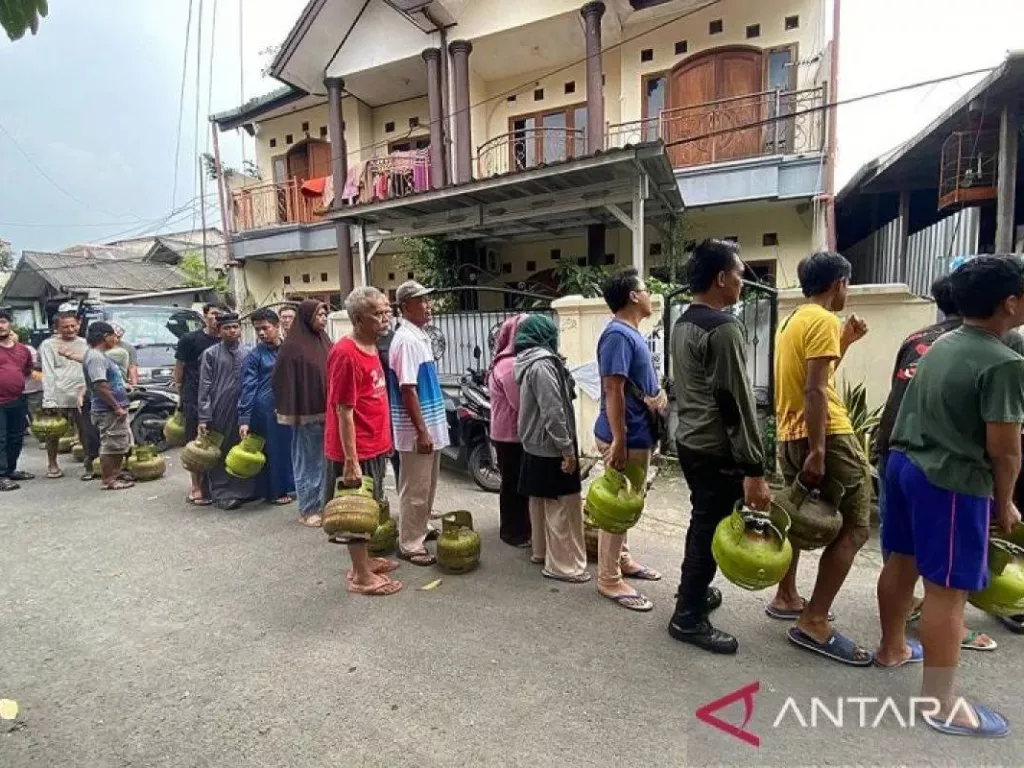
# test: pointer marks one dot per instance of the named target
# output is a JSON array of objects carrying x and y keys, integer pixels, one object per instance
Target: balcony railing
[
  {"x": 528, "y": 148},
  {"x": 273, "y": 204},
  {"x": 761, "y": 124}
]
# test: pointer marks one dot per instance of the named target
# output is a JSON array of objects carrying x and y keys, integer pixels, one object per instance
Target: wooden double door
[{"x": 713, "y": 92}]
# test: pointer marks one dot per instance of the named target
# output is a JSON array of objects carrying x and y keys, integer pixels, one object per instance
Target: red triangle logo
[{"x": 746, "y": 694}]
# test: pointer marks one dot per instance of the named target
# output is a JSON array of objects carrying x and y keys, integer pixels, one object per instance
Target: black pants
[
  {"x": 514, "y": 507},
  {"x": 12, "y": 434},
  {"x": 716, "y": 484},
  {"x": 90, "y": 436}
]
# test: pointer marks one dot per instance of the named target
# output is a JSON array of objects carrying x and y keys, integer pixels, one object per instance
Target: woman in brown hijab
[{"x": 300, "y": 392}]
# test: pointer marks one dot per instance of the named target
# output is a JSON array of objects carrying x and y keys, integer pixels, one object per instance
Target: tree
[
  {"x": 197, "y": 275},
  {"x": 6, "y": 254},
  {"x": 20, "y": 16}
]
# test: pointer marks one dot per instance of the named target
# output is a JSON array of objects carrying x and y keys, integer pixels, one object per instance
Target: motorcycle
[
  {"x": 148, "y": 409},
  {"x": 469, "y": 430}
]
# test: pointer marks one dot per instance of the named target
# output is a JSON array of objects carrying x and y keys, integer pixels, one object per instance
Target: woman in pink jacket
[{"x": 514, "y": 508}]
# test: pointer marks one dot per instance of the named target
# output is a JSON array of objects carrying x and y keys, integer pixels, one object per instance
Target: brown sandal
[
  {"x": 380, "y": 567},
  {"x": 118, "y": 485},
  {"x": 384, "y": 589},
  {"x": 423, "y": 558}
]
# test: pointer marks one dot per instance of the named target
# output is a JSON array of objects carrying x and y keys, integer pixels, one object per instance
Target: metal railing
[
  {"x": 529, "y": 147},
  {"x": 272, "y": 204},
  {"x": 396, "y": 175},
  {"x": 739, "y": 127}
]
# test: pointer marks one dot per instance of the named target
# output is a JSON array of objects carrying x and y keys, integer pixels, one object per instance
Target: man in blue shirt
[
  {"x": 629, "y": 395},
  {"x": 109, "y": 396}
]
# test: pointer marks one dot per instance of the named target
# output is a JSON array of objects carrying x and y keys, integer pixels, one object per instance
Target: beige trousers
[
  {"x": 417, "y": 484},
  {"x": 612, "y": 549},
  {"x": 557, "y": 526}
]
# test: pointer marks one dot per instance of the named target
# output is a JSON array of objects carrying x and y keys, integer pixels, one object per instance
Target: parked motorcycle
[
  {"x": 148, "y": 409},
  {"x": 469, "y": 430}
]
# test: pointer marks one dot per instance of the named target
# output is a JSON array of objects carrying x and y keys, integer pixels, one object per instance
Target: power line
[
  {"x": 209, "y": 84},
  {"x": 199, "y": 76},
  {"x": 50, "y": 179},
  {"x": 241, "y": 67},
  {"x": 181, "y": 106}
]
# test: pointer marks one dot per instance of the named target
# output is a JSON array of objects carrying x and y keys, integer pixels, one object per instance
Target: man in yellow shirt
[{"x": 816, "y": 441}]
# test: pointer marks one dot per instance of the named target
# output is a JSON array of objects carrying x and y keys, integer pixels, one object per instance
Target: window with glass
[
  {"x": 654, "y": 103},
  {"x": 548, "y": 137}
]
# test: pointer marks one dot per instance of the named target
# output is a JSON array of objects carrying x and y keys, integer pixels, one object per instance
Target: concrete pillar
[
  {"x": 1007, "y": 192},
  {"x": 460, "y": 50},
  {"x": 339, "y": 172},
  {"x": 595, "y": 244},
  {"x": 432, "y": 57},
  {"x": 592, "y": 13}
]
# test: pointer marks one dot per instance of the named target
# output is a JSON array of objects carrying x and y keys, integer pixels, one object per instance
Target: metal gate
[
  {"x": 466, "y": 322},
  {"x": 758, "y": 313}
]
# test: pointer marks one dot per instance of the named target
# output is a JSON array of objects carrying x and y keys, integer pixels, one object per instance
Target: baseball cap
[{"x": 411, "y": 289}]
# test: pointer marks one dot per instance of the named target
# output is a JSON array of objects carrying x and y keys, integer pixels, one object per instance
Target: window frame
[{"x": 569, "y": 111}]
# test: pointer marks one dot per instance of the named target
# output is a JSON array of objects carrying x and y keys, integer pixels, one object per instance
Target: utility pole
[{"x": 202, "y": 215}]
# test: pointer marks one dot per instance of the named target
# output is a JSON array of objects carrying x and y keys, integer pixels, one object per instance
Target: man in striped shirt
[{"x": 418, "y": 419}]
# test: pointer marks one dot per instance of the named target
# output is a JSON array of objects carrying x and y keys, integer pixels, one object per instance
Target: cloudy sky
[{"x": 89, "y": 108}]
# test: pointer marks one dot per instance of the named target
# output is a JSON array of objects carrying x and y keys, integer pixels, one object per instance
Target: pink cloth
[
  {"x": 351, "y": 191},
  {"x": 501, "y": 384}
]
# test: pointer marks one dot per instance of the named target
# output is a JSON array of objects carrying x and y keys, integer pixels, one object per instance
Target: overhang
[{"x": 548, "y": 201}]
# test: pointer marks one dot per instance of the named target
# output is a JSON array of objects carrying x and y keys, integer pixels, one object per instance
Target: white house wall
[{"x": 381, "y": 36}]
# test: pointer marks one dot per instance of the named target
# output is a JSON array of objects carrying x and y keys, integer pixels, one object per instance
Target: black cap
[
  {"x": 227, "y": 318},
  {"x": 98, "y": 331}
]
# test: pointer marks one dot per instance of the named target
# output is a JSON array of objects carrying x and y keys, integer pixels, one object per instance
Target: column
[
  {"x": 592, "y": 13},
  {"x": 460, "y": 50},
  {"x": 339, "y": 172},
  {"x": 1007, "y": 180},
  {"x": 432, "y": 57}
]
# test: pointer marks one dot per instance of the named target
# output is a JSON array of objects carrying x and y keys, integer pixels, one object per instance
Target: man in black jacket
[{"x": 719, "y": 446}]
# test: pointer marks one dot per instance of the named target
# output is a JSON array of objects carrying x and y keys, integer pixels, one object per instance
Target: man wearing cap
[
  {"x": 220, "y": 387},
  {"x": 418, "y": 418},
  {"x": 109, "y": 399}
]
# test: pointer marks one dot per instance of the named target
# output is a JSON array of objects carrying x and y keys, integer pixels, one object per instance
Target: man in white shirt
[{"x": 63, "y": 381}]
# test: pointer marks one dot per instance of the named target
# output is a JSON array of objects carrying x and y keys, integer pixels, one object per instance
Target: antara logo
[{"x": 745, "y": 694}]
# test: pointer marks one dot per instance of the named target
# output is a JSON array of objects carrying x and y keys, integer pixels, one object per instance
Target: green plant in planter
[{"x": 864, "y": 420}]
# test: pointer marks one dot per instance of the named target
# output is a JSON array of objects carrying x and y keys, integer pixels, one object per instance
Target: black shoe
[
  {"x": 1013, "y": 623},
  {"x": 699, "y": 632},
  {"x": 714, "y": 598},
  {"x": 229, "y": 504}
]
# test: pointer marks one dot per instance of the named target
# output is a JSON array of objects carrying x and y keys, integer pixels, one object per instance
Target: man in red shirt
[
  {"x": 357, "y": 437},
  {"x": 15, "y": 368}
]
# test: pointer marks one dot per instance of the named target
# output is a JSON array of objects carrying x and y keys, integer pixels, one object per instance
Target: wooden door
[
  {"x": 702, "y": 100},
  {"x": 692, "y": 85},
  {"x": 319, "y": 159},
  {"x": 298, "y": 164}
]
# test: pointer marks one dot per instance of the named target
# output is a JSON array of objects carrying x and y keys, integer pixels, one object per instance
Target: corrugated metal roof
[{"x": 76, "y": 272}]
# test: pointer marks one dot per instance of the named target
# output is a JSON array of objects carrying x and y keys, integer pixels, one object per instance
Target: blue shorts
[{"x": 944, "y": 531}]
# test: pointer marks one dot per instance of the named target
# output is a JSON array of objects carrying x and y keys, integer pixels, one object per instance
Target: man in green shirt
[{"x": 955, "y": 456}]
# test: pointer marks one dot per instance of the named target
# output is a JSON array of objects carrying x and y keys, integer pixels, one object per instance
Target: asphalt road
[{"x": 138, "y": 631}]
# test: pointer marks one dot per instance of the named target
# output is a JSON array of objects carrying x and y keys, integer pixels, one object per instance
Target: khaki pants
[
  {"x": 417, "y": 485},
  {"x": 557, "y": 526},
  {"x": 612, "y": 548}
]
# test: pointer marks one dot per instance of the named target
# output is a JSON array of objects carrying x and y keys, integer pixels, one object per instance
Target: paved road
[{"x": 137, "y": 631}]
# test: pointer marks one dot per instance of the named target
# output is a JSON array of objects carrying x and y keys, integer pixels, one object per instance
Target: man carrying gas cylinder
[{"x": 719, "y": 447}]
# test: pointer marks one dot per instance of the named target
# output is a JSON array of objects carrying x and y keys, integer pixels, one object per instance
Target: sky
[{"x": 89, "y": 110}]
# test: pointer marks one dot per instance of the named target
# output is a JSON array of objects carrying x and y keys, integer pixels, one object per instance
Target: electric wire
[{"x": 181, "y": 106}]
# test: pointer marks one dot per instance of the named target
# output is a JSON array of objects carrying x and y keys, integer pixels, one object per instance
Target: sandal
[
  {"x": 196, "y": 501},
  {"x": 283, "y": 500},
  {"x": 787, "y": 614},
  {"x": 916, "y": 656},
  {"x": 991, "y": 724},
  {"x": 838, "y": 647},
  {"x": 423, "y": 558},
  {"x": 380, "y": 567},
  {"x": 312, "y": 521},
  {"x": 634, "y": 602},
  {"x": 87, "y": 476},
  {"x": 536, "y": 559},
  {"x": 387, "y": 587},
  {"x": 117, "y": 485},
  {"x": 575, "y": 578},
  {"x": 643, "y": 573},
  {"x": 6, "y": 484},
  {"x": 20, "y": 474},
  {"x": 974, "y": 642},
  {"x": 54, "y": 474}
]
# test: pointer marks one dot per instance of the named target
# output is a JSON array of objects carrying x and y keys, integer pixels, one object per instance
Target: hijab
[
  {"x": 505, "y": 343},
  {"x": 300, "y": 373},
  {"x": 537, "y": 331}
]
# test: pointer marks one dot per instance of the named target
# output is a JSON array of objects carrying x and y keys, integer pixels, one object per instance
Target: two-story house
[{"x": 532, "y": 132}]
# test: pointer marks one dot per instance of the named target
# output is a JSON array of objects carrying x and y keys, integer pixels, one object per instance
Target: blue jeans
[
  {"x": 881, "y": 504},
  {"x": 308, "y": 465},
  {"x": 13, "y": 420}
]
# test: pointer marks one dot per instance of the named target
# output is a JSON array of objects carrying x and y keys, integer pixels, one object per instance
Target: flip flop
[
  {"x": 87, "y": 476},
  {"x": 1013, "y": 623},
  {"x": 381, "y": 590},
  {"x": 6, "y": 484},
  {"x": 20, "y": 474},
  {"x": 790, "y": 615},
  {"x": 991, "y": 724},
  {"x": 838, "y": 647},
  {"x": 423, "y": 558},
  {"x": 200, "y": 502},
  {"x": 644, "y": 574},
  {"x": 634, "y": 602},
  {"x": 386, "y": 566},
  {"x": 117, "y": 485},
  {"x": 916, "y": 656},
  {"x": 577, "y": 578},
  {"x": 283, "y": 501},
  {"x": 51, "y": 475},
  {"x": 973, "y": 642}
]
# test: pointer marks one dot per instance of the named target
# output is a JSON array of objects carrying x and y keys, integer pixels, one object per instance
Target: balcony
[
  {"x": 736, "y": 128},
  {"x": 527, "y": 148},
  {"x": 298, "y": 201}
]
